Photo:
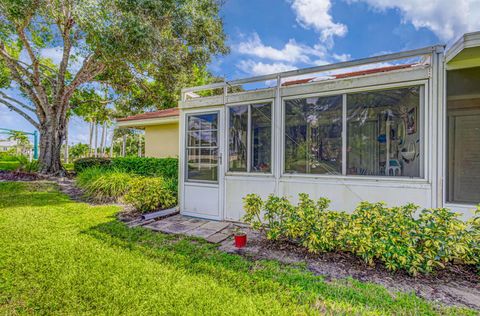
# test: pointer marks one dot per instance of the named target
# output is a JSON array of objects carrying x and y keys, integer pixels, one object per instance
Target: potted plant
[{"x": 240, "y": 237}]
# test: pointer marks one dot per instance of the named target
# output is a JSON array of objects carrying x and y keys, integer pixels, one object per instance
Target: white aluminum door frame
[{"x": 220, "y": 168}]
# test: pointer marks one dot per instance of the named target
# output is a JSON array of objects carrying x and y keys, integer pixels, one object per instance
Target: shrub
[
  {"x": 373, "y": 231},
  {"x": 143, "y": 166},
  {"x": 80, "y": 165},
  {"x": 104, "y": 185},
  {"x": 146, "y": 166},
  {"x": 150, "y": 194}
]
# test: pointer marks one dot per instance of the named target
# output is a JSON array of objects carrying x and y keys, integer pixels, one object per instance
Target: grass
[
  {"x": 9, "y": 165},
  {"x": 62, "y": 257}
]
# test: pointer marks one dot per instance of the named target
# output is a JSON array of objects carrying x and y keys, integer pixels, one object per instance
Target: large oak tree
[{"x": 144, "y": 50}]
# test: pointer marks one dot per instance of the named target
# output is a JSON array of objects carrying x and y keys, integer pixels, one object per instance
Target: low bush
[
  {"x": 25, "y": 165},
  {"x": 395, "y": 236},
  {"x": 143, "y": 166},
  {"x": 81, "y": 164},
  {"x": 150, "y": 194},
  {"x": 104, "y": 185},
  {"x": 147, "y": 166}
]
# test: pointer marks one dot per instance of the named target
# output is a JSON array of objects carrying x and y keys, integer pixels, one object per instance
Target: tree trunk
[
  {"x": 96, "y": 140},
  {"x": 90, "y": 137},
  {"x": 65, "y": 158},
  {"x": 124, "y": 145},
  {"x": 51, "y": 138}
]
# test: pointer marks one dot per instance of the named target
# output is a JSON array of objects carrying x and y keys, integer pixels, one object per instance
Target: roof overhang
[
  {"x": 465, "y": 53},
  {"x": 147, "y": 122}
]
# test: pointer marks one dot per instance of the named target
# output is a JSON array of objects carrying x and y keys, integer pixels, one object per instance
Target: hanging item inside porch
[{"x": 409, "y": 152}]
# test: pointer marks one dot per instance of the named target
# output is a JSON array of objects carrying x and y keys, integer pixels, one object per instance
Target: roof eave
[{"x": 147, "y": 122}]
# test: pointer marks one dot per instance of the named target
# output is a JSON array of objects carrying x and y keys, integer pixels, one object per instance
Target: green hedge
[
  {"x": 150, "y": 167},
  {"x": 81, "y": 164},
  {"x": 405, "y": 237}
]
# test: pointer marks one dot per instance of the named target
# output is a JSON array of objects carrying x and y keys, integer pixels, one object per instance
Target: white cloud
[
  {"x": 259, "y": 68},
  {"x": 291, "y": 52},
  {"x": 446, "y": 18},
  {"x": 316, "y": 14}
]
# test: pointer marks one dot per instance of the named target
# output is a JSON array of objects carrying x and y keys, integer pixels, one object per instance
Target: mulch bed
[
  {"x": 455, "y": 285},
  {"x": 20, "y": 176}
]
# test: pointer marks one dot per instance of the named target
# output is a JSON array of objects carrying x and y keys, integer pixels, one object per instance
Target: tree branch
[
  {"x": 35, "y": 63},
  {"x": 20, "y": 112},
  {"x": 15, "y": 68},
  {"x": 67, "y": 46},
  {"x": 23, "y": 105}
]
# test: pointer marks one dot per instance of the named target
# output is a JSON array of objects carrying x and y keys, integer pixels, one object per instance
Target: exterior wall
[{"x": 161, "y": 140}]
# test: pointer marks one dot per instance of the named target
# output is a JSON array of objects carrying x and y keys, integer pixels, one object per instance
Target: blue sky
[{"x": 268, "y": 36}]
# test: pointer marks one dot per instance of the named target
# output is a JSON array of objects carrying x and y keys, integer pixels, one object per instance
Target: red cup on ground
[{"x": 240, "y": 240}]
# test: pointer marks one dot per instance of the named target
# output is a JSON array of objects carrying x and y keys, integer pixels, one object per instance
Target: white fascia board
[
  {"x": 147, "y": 122},
  {"x": 466, "y": 41}
]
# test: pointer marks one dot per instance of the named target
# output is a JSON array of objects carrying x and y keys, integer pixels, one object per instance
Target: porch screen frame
[
  {"x": 186, "y": 148},
  {"x": 249, "y": 141},
  {"x": 423, "y": 118}
]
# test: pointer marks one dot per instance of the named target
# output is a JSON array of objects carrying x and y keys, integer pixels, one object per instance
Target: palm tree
[{"x": 21, "y": 140}]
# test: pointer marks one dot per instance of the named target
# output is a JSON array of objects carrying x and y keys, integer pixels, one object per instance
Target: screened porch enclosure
[{"x": 381, "y": 133}]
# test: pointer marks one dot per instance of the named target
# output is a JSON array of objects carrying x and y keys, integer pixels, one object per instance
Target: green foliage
[
  {"x": 394, "y": 236},
  {"x": 81, "y": 164},
  {"x": 474, "y": 242},
  {"x": 8, "y": 155},
  {"x": 150, "y": 194},
  {"x": 104, "y": 185},
  {"x": 25, "y": 165},
  {"x": 86, "y": 262},
  {"x": 78, "y": 151},
  {"x": 8, "y": 165},
  {"x": 145, "y": 166},
  {"x": 114, "y": 185}
]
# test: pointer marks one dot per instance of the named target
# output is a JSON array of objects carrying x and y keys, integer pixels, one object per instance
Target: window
[
  {"x": 250, "y": 138},
  {"x": 313, "y": 135},
  {"x": 384, "y": 129},
  {"x": 202, "y": 147},
  {"x": 374, "y": 133},
  {"x": 463, "y": 136}
]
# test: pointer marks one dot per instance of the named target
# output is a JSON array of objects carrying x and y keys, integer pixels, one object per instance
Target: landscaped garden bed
[{"x": 146, "y": 184}]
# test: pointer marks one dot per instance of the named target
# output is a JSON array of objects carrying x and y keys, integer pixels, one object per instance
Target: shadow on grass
[{"x": 246, "y": 276}]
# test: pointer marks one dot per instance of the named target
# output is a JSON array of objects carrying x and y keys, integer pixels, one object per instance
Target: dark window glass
[
  {"x": 202, "y": 147},
  {"x": 313, "y": 135},
  {"x": 261, "y": 141},
  {"x": 238, "y": 123},
  {"x": 383, "y": 133}
]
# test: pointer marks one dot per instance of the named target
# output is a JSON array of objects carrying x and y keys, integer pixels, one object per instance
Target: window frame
[
  {"x": 248, "y": 172},
  {"x": 425, "y": 134},
  {"x": 186, "y": 148}
]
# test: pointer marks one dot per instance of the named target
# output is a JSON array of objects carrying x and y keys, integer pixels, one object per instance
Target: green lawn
[
  {"x": 63, "y": 257},
  {"x": 8, "y": 165}
]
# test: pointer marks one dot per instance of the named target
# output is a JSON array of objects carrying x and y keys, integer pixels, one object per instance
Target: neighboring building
[
  {"x": 400, "y": 128},
  {"x": 7, "y": 145},
  {"x": 161, "y": 131}
]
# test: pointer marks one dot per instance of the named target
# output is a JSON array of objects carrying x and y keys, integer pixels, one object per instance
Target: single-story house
[
  {"x": 161, "y": 131},
  {"x": 400, "y": 128}
]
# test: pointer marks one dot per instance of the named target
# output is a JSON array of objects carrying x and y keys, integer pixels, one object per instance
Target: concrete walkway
[{"x": 212, "y": 231}]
